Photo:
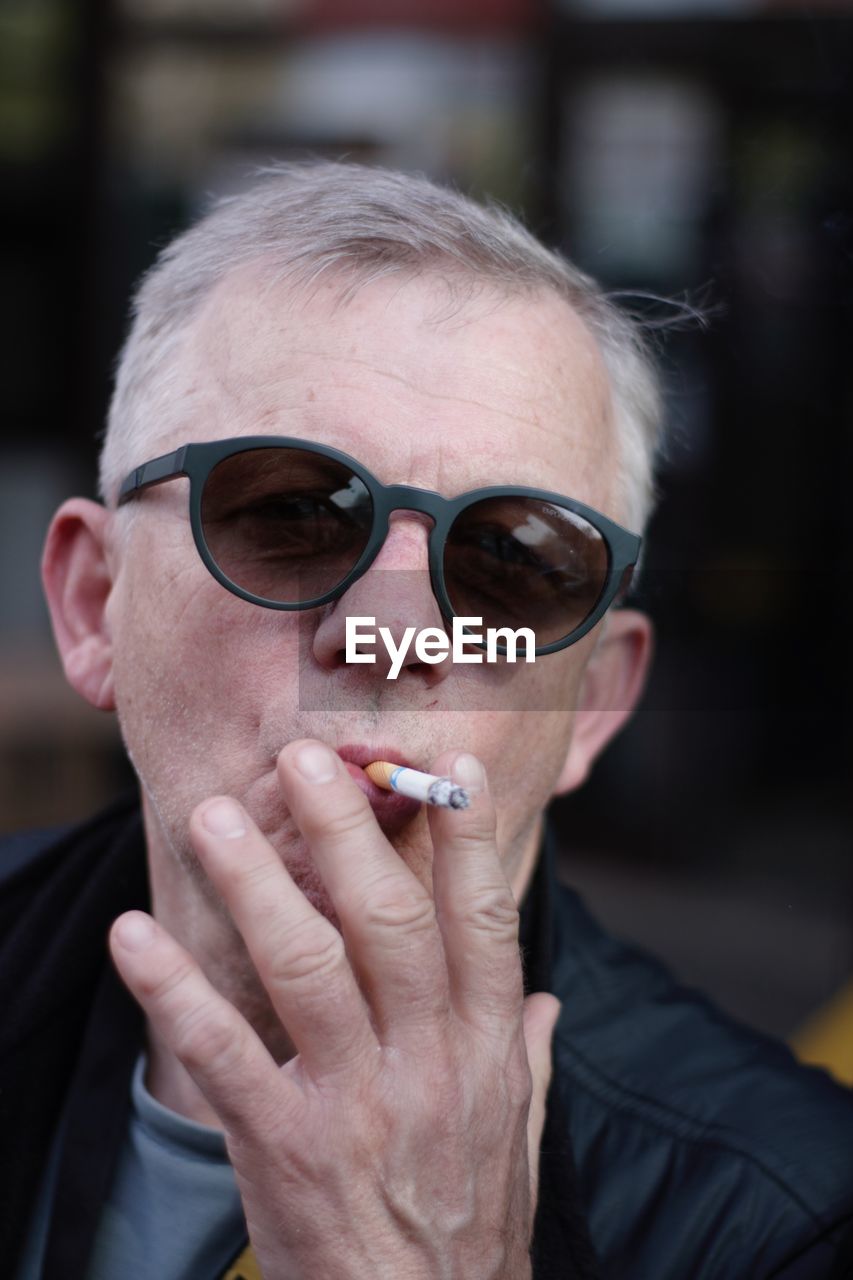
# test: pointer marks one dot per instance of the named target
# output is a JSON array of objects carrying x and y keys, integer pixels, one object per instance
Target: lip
[{"x": 392, "y": 810}]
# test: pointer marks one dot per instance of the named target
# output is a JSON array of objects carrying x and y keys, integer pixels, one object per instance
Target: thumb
[{"x": 541, "y": 1012}]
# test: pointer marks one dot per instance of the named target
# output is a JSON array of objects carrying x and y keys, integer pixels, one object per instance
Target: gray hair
[{"x": 314, "y": 217}]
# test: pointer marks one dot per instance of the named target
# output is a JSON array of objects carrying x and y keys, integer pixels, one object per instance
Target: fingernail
[
  {"x": 135, "y": 932},
  {"x": 469, "y": 773},
  {"x": 224, "y": 818},
  {"x": 316, "y": 763}
]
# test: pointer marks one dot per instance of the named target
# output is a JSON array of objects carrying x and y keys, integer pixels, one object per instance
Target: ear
[
  {"x": 77, "y": 579},
  {"x": 612, "y": 683}
]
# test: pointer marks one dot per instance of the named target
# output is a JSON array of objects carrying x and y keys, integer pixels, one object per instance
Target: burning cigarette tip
[{"x": 426, "y": 787}]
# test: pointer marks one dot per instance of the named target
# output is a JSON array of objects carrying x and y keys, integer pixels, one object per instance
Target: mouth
[{"x": 392, "y": 810}]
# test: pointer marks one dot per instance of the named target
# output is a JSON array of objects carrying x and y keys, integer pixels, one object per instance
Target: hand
[{"x": 402, "y": 1140}]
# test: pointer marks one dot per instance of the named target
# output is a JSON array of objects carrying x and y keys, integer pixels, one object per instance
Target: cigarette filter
[{"x": 426, "y": 787}]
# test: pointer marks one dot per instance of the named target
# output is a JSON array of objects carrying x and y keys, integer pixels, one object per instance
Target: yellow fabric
[
  {"x": 826, "y": 1038},
  {"x": 244, "y": 1267}
]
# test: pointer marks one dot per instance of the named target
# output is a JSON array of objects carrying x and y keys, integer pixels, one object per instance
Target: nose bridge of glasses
[
  {"x": 405, "y": 506},
  {"x": 423, "y": 502},
  {"x": 407, "y": 519}
]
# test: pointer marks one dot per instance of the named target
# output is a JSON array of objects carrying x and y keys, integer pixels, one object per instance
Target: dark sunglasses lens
[
  {"x": 285, "y": 524},
  {"x": 523, "y": 562}
]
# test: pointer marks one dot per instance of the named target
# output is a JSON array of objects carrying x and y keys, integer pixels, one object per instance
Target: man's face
[{"x": 209, "y": 687}]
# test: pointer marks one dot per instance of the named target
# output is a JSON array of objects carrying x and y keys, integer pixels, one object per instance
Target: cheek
[
  {"x": 524, "y": 752},
  {"x": 525, "y": 745},
  {"x": 531, "y": 756},
  {"x": 192, "y": 666}
]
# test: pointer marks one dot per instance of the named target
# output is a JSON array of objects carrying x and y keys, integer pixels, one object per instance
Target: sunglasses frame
[{"x": 197, "y": 461}]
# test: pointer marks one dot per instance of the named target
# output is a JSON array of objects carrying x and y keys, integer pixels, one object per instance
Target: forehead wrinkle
[
  {"x": 551, "y": 422},
  {"x": 440, "y": 397},
  {"x": 255, "y": 386},
  {"x": 224, "y": 325}
]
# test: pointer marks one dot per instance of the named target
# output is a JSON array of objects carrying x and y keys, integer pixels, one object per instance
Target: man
[{"x": 335, "y": 1044}]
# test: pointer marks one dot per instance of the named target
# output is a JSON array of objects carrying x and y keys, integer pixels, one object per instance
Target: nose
[{"x": 395, "y": 592}]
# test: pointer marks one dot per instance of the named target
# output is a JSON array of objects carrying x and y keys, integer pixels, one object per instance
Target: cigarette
[{"x": 425, "y": 787}]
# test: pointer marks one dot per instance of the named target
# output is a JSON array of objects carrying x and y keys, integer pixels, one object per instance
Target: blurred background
[{"x": 699, "y": 149}]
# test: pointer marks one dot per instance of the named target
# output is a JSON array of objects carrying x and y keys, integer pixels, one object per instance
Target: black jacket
[{"x": 702, "y": 1148}]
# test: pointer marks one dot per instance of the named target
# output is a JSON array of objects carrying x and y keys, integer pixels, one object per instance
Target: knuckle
[
  {"x": 252, "y": 875},
  {"x": 473, "y": 841},
  {"x": 312, "y": 950},
  {"x": 204, "y": 1038},
  {"x": 494, "y": 913},
  {"x": 161, "y": 988},
  {"x": 342, "y": 822},
  {"x": 399, "y": 906}
]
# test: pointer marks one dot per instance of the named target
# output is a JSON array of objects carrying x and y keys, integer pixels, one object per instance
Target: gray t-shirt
[{"x": 173, "y": 1210}]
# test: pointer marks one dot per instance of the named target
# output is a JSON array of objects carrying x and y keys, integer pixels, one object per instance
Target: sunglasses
[{"x": 290, "y": 524}]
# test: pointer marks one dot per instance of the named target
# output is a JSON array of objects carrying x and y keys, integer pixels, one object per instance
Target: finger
[
  {"x": 387, "y": 916},
  {"x": 541, "y": 1012},
  {"x": 477, "y": 912},
  {"x": 299, "y": 955},
  {"x": 207, "y": 1035}
]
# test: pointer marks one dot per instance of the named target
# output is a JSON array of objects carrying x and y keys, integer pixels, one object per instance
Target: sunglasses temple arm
[
  {"x": 624, "y": 584},
  {"x": 156, "y": 471}
]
